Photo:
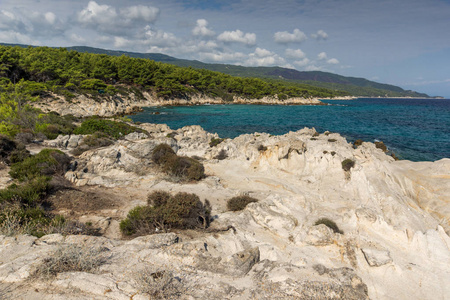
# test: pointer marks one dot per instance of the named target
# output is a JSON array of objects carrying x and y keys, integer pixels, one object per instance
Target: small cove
[{"x": 415, "y": 129}]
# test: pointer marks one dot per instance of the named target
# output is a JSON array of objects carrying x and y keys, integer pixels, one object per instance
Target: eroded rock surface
[{"x": 393, "y": 215}]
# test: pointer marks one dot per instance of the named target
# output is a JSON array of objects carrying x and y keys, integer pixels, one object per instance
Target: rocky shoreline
[
  {"x": 84, "y": 106},
  {"x": 394, "y": 222}
]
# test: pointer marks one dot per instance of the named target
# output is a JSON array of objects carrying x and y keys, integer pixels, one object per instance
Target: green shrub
[
  {"x": 184, "y": 167},
  {"x": 180, "y": 166},
  {"x": 110, "y": 128},
  {"x": 316, "y": 134},
  {"x": 214, "y": 142},
  {"x": 357, "y": 143},
  {"x": 347, "y": 164},
  {"x": 181, "y": 211},
  {"x": 381, "y": 145},
  {"x": 331, "y": 140},
  {"x": 162, "y": 153},
  {"x": 262, "y": 148},
  {"x": 239, "y": 202},
  {"x": 92, "y": 84},
  {"x": 330, "y": 224},
  {"x": 46, "y": 162},
  {"x": 28, "y": 193},
  {"x": 221, "y": 155},
  {"x": 7, "y": 146}
]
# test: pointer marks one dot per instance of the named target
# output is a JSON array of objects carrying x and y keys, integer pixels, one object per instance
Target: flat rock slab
[{"x": 375, "y": 257}]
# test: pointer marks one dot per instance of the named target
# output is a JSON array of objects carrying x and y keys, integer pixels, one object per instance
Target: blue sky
[{"x": 406, "y": 43}]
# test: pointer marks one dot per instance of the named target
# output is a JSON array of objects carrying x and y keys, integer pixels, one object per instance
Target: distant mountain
[{"x": 352, "y": 85}]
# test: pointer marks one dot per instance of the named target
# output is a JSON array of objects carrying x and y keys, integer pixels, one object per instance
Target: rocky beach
[{"x": 393, "y": 219}]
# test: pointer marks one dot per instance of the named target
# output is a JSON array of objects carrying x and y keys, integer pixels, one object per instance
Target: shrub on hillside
[
  {"x": 239, "y": 202},
  {"x": 28, "y": 193},
  {"x": 357, "y": 143},
  {"x": 46, "y": 162},
  {"x": 179, "y": 166},
  {"x": 347, "y": 164},
  {"x": 215, "y": 141},
  {"x": 381, "y": 145},
  {"x": 330, "y": 224},
  {"x": 71, "y": 258},
  {"x": 221, "y": 155},
  {"x": 7, "y": 145},
  {"x": 112, "y": 129},
  {"x": 180, "y": 211}
]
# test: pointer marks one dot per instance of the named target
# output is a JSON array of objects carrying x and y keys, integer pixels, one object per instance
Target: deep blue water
[{"x": 415, "y": 129}]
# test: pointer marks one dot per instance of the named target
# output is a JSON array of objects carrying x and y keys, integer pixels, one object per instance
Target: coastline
[{"x": 118, "y": 105}]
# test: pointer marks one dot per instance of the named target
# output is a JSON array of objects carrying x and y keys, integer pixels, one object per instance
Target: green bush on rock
[
  {"x": 112, "y": 129},
  {"x": 165, "y": 212},
  {"x": 46, "y": 162},
  {"x": 182, "y": 167},
  {"x": 239, "y": 202},
  {"x": 347, "y": 164}
]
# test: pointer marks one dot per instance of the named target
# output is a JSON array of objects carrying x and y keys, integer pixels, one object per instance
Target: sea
[{"x": 414, "y": 129}]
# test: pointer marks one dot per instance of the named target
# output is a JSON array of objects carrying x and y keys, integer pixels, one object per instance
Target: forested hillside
[
  {"x": 352, "y": 85},
  {"x": 64, "y": 71}
]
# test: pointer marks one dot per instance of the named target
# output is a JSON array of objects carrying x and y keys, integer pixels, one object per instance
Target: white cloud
[
  {"x": 320, "y": 35},
  {"x": 120, "y": 42},
  {"x": 312, "y": 68},
  {"x": 333, "y": 61},
  {"x": 140, "y": 12},
  {"x": 76, "y": 38},
  {"x": 297, "y": 53},
  {"x": 14, "y": 37},
  {"x": 223, "y": 56},
  {"x": 201, "y": 29},
  {"x": 107, "y": 19},
  {"x": 156, "y": 37},
  {"x": 322, "y": 56},
  {"x": 264, "y": 57},
  {"x": 97, "y": 15},
  {"x": 10, "y": 22},
  {"x": 284, "y": 37},
  {"x": 238, "y": 36},
  {"x": 302, "y": 63}
]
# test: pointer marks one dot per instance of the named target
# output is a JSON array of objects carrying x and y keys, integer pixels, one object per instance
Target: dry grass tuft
[{"x": 70, "y": 258}]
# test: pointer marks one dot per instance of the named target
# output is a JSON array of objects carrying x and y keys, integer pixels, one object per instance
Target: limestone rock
[
  {"x": 320, "y": 235},
  {"x": 375, "y": 257}
]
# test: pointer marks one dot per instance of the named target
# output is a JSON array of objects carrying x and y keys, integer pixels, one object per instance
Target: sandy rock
[
  {"x": 375, "y": 257},
  {"x": 320, "y": 235}
]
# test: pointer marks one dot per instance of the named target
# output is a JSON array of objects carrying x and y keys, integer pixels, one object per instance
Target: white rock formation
[{"x": 394, "y": 216}]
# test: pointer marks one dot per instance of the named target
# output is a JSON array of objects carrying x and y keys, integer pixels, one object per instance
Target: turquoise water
[{"x": 415, "y": 129}]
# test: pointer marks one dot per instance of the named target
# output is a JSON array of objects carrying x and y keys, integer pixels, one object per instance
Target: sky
[{"x": 400, "y": 42}]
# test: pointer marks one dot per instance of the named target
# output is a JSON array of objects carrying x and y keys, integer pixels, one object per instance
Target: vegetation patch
[
  {"x": 332, "y": 140},
  {"x": 357, "y": 143},
  {"x": 347, "y": 164},
  {"x": 71, "y": 258},
  {"x": 45, "y": 163},
  {"x": 381, "y": 145},
  {"x": 215, "y": 141},
  {"x": 221, "y": 155},
  {"x": 239, "y": 203},
  {"x": 159, "y": 284},
  {"x": 165, "y": 212},
  {"x": 181, "y": 167},
  {"x": 110, "y": 128},
  {"x": 330, "y": 224},
  {"x": 262, "y": 148}
]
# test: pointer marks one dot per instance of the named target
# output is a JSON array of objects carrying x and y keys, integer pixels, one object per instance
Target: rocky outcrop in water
[{"x": 393, "y": 219}]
